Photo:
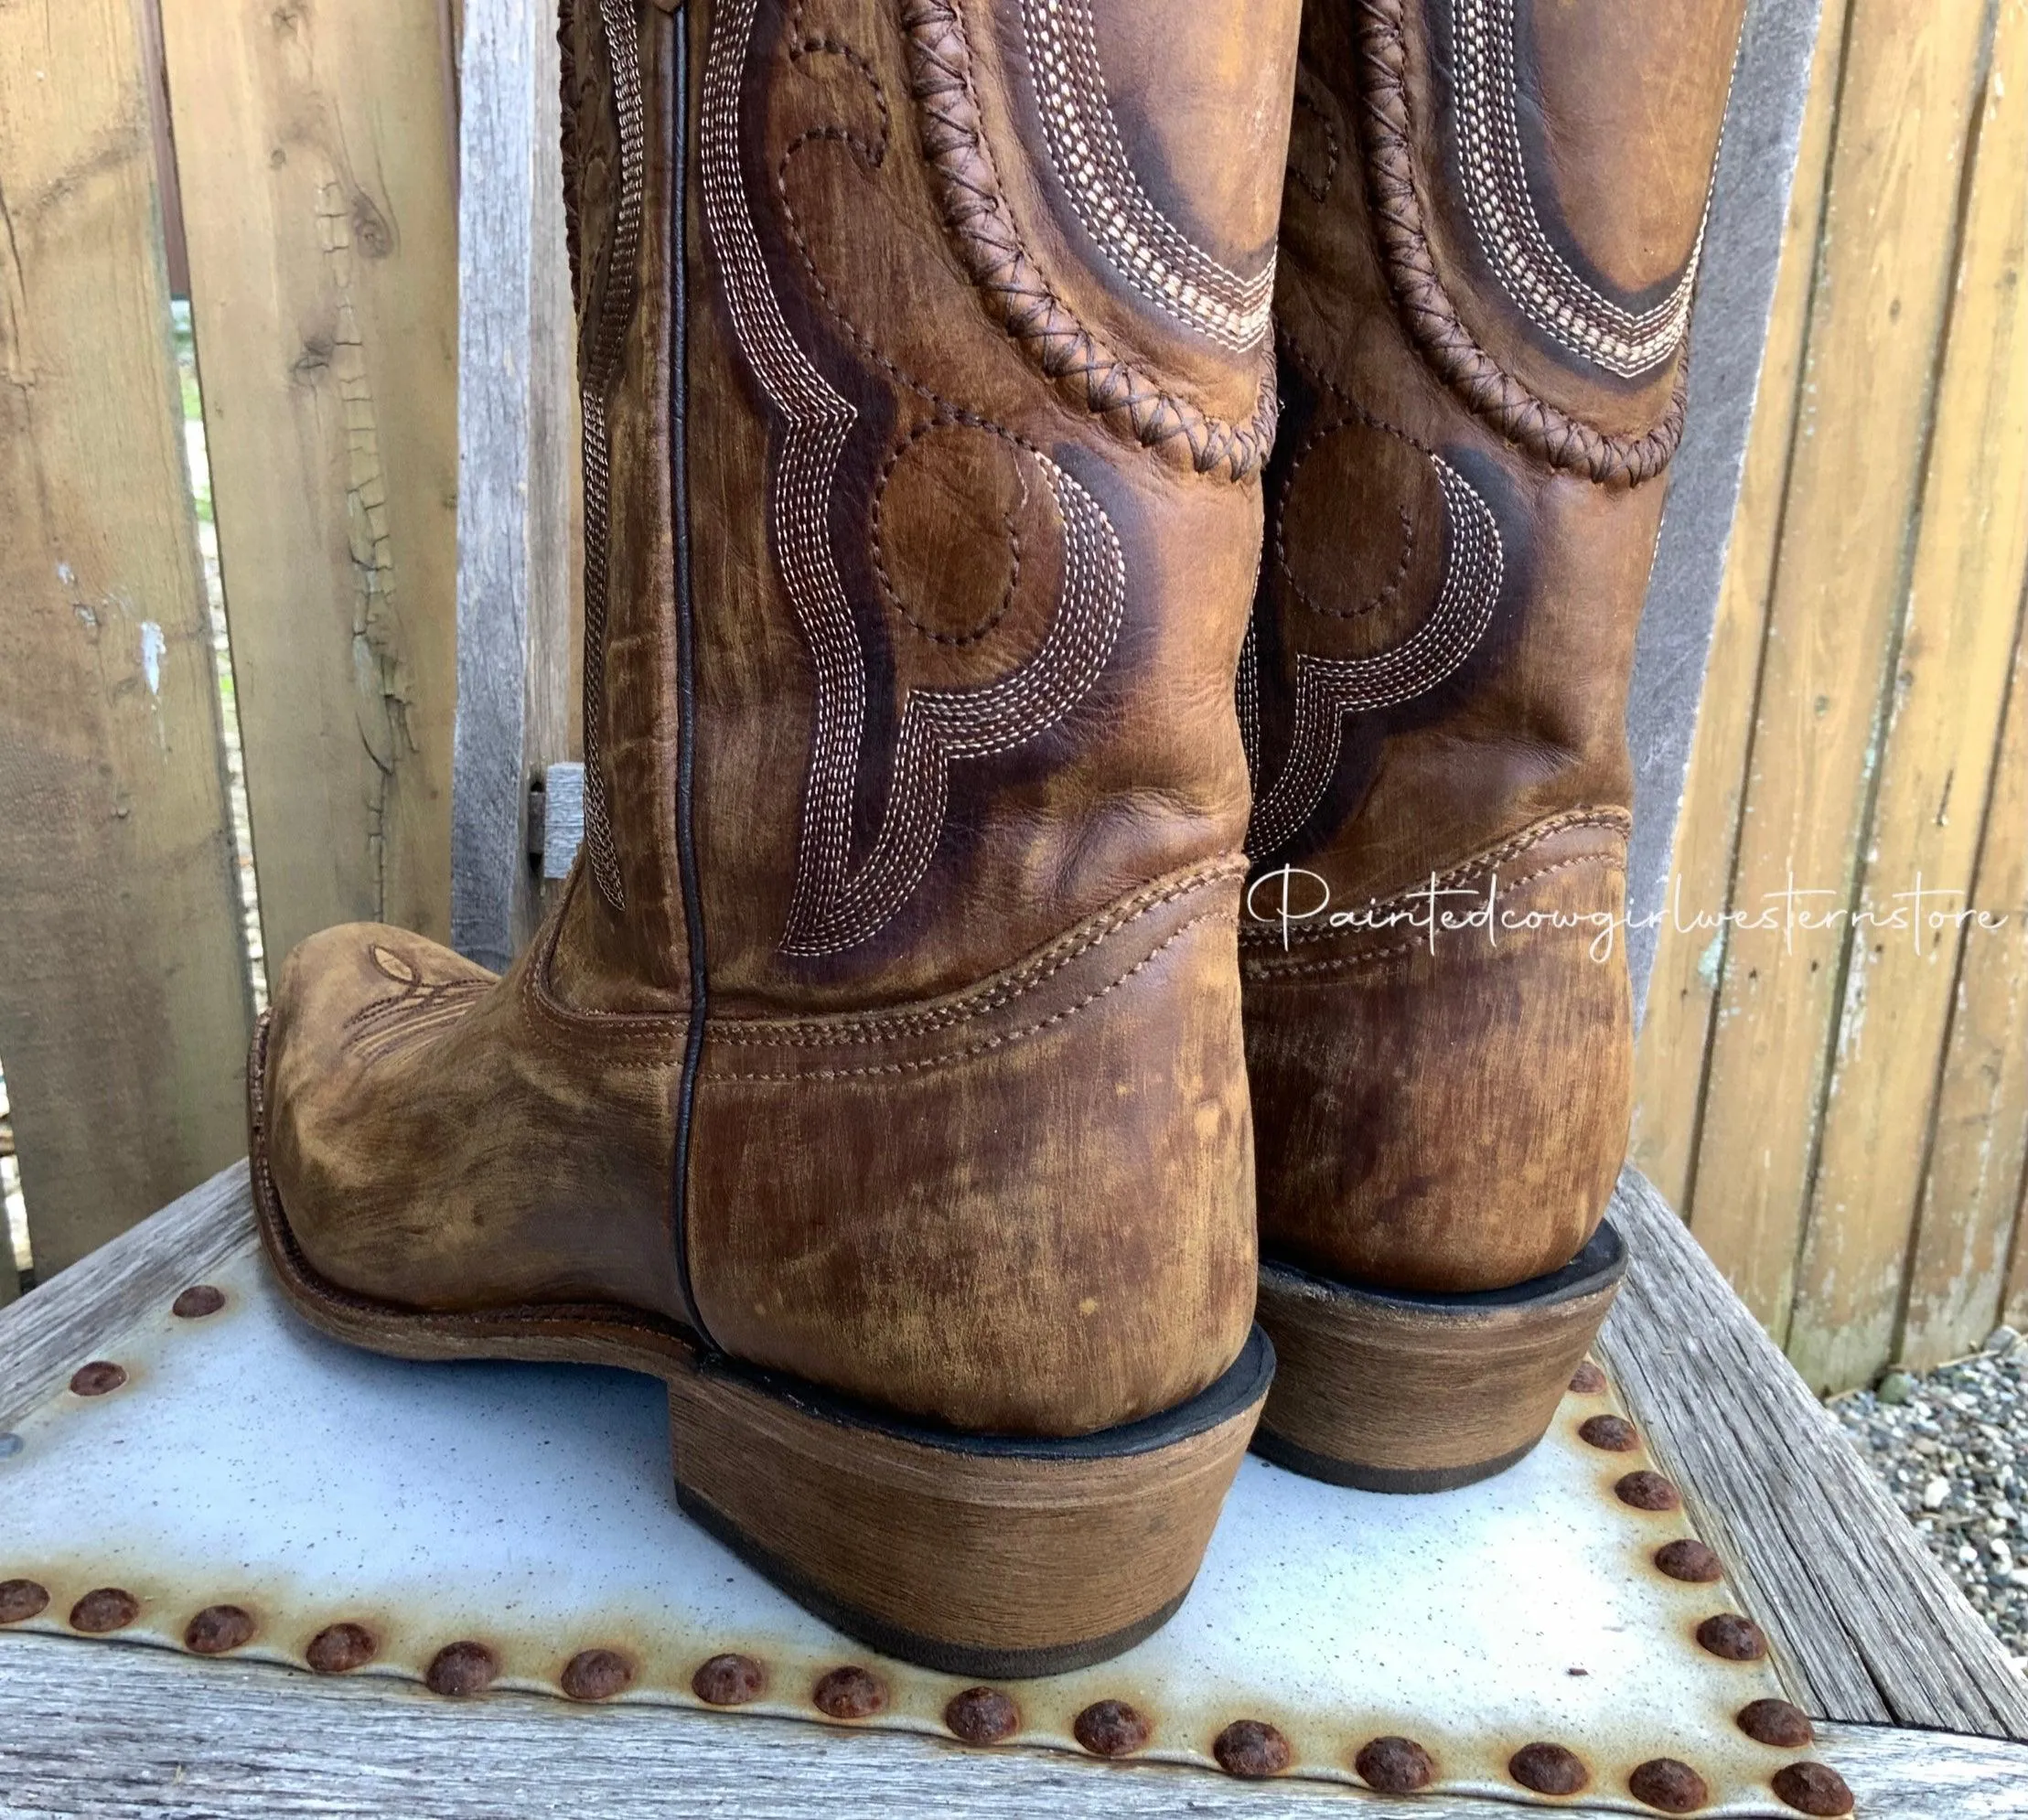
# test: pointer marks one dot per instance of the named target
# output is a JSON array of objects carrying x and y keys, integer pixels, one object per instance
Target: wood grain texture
[
  {"x": 1970, "y": 570},
  {"x": 320, "y": 199},
  {"x": 1764, "y": 141},
  {"x": 1953, "y": 650},
  {"x": 46, "y": 1335},
  {"x": 124, "y": 1001},
  {"x": 225, "y": 1738},
  {"x": 1909, "y": 85},
  {"x": 1866, "y": 1627},
  {"x": 1682, "y": 992},
  {"x": 1984, "y": 1101},
  {"x": 515, "y": 444}
]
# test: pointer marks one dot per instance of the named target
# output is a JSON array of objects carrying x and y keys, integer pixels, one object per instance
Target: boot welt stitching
[
  {"x": 989, "y": 1043},
  {"x": 1265, "y": 968},
  {"x": 1467, "y": 871},
  {"x": 544, "y": 1008}
]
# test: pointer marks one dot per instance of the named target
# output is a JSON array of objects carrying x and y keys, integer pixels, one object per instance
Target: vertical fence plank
[
  {"x": 123, "y": 1002},
  {"x": 1935, "y": 766},
  {"x": 1972, "y": 1200},
  {"x": 1670, "y": 1055},
  {"x": 1729, "y": 337},
  {"x": 1909, "y": 83},
  {"x": 515, "y": 365},
  {"x": 321, "y": 211}
]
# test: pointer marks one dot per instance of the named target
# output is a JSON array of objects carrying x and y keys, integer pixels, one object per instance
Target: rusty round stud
[
  {"x": 103, "y": 1609},
  {"x": 339, "y": 1649},
  {"x": 1669, "y": 1785},
  {"x": 1394, "y": 1766},
  {"x": 851, "y": 1692},
  {"x": 1735, "y": 1638},
  {"x": 729, "y": 1680},
  {"x": 1813, "y": 1788},
  {"x": 219, "y": 1630},
  {"x": 1112, "y": 1729},
  {"x": 1548, "y": 1769},
  {"x": 196, "y": 1302},
  {"x": 21, "y": 1599},
  {"x": 596, "y": 1674},
  {"x": 1691, "y": 1560},
  {"x": 460, "y": 1669},
  {"x": 96, "y": 1378},
  {"x": 1647, "y": 1490},
  {"x": 1776, "y": 1722},
  {"x": 1587, "y": 1380},
  {"x": 1614, "y": 1434},
  {"x": 1253, "y": 1750},
  {"x": 982, "y": 1715}
]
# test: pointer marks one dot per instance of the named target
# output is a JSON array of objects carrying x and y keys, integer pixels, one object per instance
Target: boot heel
[
  {"x": 993, "y": 1557},
  {"x": 1419, "y": 1393}
]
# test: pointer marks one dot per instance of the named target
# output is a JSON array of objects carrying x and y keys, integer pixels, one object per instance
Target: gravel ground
[{"x": 1952, "y": 1446}]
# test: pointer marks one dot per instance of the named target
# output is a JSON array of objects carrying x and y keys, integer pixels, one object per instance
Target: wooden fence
[
  {"x": 1843, "y": 1118},
  {"x": 1839, "y": 1104}
]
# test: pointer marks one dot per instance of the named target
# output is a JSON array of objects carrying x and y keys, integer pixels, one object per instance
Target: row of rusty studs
[
  {"x": 1675, "y": 1788},
  {"x": 1246, "y": 1748}
]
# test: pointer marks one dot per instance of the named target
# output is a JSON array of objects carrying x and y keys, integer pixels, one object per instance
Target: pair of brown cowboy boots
[{"x": 909, "y": 1065}]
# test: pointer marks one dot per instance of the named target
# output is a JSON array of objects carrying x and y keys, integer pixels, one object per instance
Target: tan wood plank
[
  {"x": 1972, "y": 1229},
  {"x": 123, "y": 1002},
  {"x": 320, "y": 200},
  {"x": 1981, "y": 1162},
  {"x": 1909, "y": 85},
  {"x": 1670, "y": 1057},
  {"x": 1937, "y": 768}
]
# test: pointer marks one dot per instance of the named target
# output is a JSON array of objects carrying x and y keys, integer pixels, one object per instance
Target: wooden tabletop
[{"x": 1918, "y": 1705}]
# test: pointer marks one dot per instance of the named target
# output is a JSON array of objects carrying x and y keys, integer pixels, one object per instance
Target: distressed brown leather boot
[
  {"x": 878, "y": 1081},
  {"x": 1489, "y": 235}
]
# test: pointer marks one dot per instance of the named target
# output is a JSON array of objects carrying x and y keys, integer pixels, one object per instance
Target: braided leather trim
[
  {"x": 605, "y": 284},
  {"x": 988, "y": 246},
  {"x": 1512, "y": 408}
]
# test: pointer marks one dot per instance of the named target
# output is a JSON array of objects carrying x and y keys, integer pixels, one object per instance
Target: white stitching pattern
[
  {"x": 1148, "y": 250},
  {"x": 1329, "y": 688},
  {"x": 834, "y": 907},
  {"x": 1572, "y": 312}
]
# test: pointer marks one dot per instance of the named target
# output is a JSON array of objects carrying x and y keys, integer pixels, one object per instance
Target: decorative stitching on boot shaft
[
  {"x": 1574, "y": 314},
  {"x": 836, "y": 904},
  {"x": 884, "y": 1026},
  {"x": 607, "y": 283},
  {"x": 830, "y": 1030},
  {"x": 990, "y": 248},
  {"x": 1328, "y": 690},
  {"x": 1147, "y": 249},
  {"x": 1003, "y": 1039},
  {"x": 1528, "y": 420}
]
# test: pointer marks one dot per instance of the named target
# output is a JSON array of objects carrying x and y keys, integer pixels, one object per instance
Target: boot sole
[
  {"x": 996, "y": 1556},
  {"x": 1398, "y": 1392}
]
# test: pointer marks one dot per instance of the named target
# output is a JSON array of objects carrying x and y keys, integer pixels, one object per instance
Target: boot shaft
[
  {"x": 1490, "y": 238},
  {"x": 1492, "y": 231},
  {"x": 927, "y": 380}
]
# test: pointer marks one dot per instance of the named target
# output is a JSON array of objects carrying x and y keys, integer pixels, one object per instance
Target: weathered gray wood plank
[
  {"x": 514, "y": 442},
  {"x": 116, "y": 1731},
  {"x": 1867, "y": 1626}
]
